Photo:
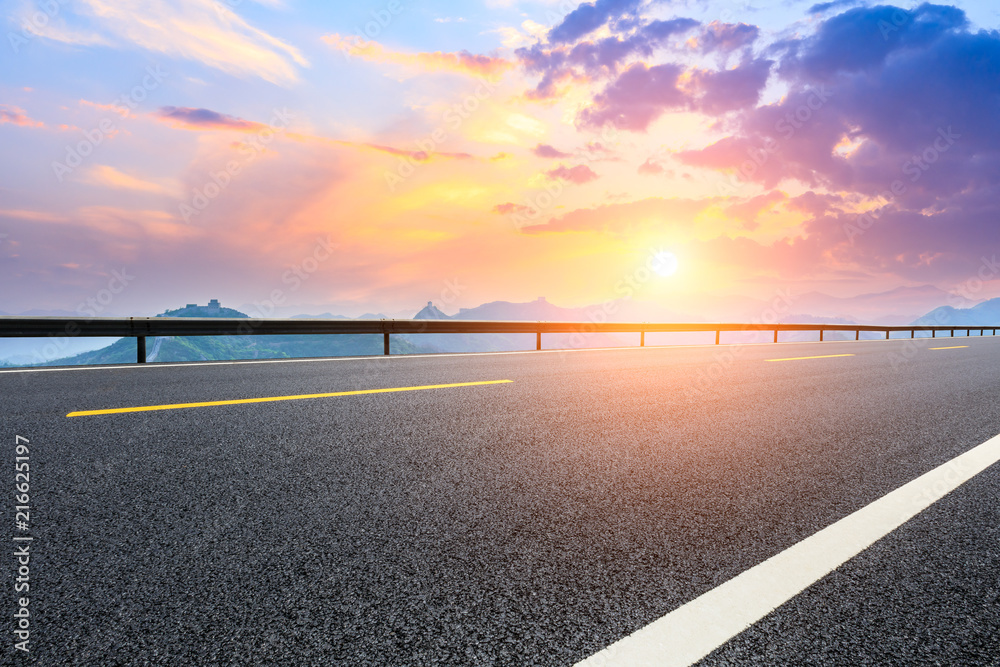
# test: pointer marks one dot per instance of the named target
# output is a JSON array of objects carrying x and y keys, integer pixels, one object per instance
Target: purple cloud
[
  {"x": 205, "y": 119},
  {"x": 727, "y": 37},
  {"x": 546, "y": 151},
  {"x": 642, "y": 94},
  {"x": 589, "y": 17},
  {"x": 639, "y": 96},
  {"x": 602, "y": 58}
]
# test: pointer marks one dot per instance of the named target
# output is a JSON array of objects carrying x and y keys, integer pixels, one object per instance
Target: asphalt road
[{"x": 527, "y": 523}]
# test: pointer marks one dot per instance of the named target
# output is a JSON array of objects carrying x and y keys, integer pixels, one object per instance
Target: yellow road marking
[
  {"x": 240, "y": 401},
  {"x": 823, "y": 356},
  {"x": 947, "y": 348}
]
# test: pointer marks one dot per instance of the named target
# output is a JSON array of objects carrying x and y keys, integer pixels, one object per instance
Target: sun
[{"x": 665, "y": 263}]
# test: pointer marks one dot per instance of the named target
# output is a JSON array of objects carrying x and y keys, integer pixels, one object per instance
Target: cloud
[
  {"x": 865, "y": 110},
  {"x": 510, "y": 207},
  {"x": 748, "y": 211},
  {"x": 205, "y": 31},
  {"x": 656, "y": 211},
  {"x": 418, "y": 156},
  {"x": 860, "y": 40},
  {"x": 107, "y": 176},
  {"x": 546, "y": 151},
  {"x": 596, "y": 59},
  {"x": 834, "y": 4},
  {"x": 639, "y": 96},
  {"x": 461, "y": 62},
  {"x": 579, "y": 174},
  {"x": 651, "y": 167},
  {"x": 205, "y": 119},
  {"x": 727, "y": 37},
  {"x": 716, "y": 92},
  {"x": 36, "y": 216},
  {"x": 17, "y": 116},
  {"x": 588, "y": 17}
]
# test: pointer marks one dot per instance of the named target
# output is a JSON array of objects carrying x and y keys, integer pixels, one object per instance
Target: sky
[{"x": 371, "y": 156}]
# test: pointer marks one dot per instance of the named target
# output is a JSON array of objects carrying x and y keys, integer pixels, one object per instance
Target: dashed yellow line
[
  {"x": 955, "y": 347},
  {"x": 299, "y": 397},
  {"x": 822, "y": 356}
]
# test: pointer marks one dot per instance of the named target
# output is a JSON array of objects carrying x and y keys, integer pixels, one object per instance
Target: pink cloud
[
  {"x": 747, "y": 212},
  {"x": 579, "y": 174},
  {"x": 510, "y": 207},
  {"x": 17, "y": 116},
  {"x": 651, "y": 167}
]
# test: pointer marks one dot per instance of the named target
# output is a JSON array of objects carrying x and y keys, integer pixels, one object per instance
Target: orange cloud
[
  {"x": 110, "y": 177},
  {"x": 609, "y": 218},
  {"x": 462, "y": 62},
  {"x": 119, "y": 109},
  {"x": 17, "y": 116}
]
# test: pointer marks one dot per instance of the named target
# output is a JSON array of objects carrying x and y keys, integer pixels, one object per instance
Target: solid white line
[
  {"x": 692, "y": 631},
  {"x": 437, "y": 355}
]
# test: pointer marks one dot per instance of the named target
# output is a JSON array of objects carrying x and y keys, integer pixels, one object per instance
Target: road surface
[{"x": 534, "y": 521}]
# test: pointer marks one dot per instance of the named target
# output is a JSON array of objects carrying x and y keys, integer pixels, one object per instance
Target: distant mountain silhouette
[
  {"x": 982, "y": 314},
  {"x": 538, "y": 310},
  {"x": 897, "y": 306},
  {"x": 430, "y": 312}
]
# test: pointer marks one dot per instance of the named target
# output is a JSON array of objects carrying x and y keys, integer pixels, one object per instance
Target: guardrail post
[
  {"x": 538, "y": 340},
  {"x": 385, "y": 343},
  {"x": 821, "y": 335},
  {"x": 933, "y": 333},
  {"x": 642, "y": 339},
  {"x": 857, "y": 335},
  {"x": 140, "y": 349},
  {"x": 775, "y": 335},
  {"x": 913, "y": 333},
  {"x": 887, "y": 334},
  {"x": 717, "y": 335}
]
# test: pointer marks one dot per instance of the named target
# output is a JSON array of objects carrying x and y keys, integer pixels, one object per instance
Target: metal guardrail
[{"x": 141, "y": 327}]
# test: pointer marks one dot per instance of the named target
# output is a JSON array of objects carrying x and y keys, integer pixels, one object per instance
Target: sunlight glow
[{"x": 665, "y": 264}]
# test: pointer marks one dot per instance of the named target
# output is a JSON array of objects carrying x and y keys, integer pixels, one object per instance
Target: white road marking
[{"x": 692, "y": 631}]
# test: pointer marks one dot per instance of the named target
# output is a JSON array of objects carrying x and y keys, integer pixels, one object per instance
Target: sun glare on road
[{"x": 665, "y": 263}]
